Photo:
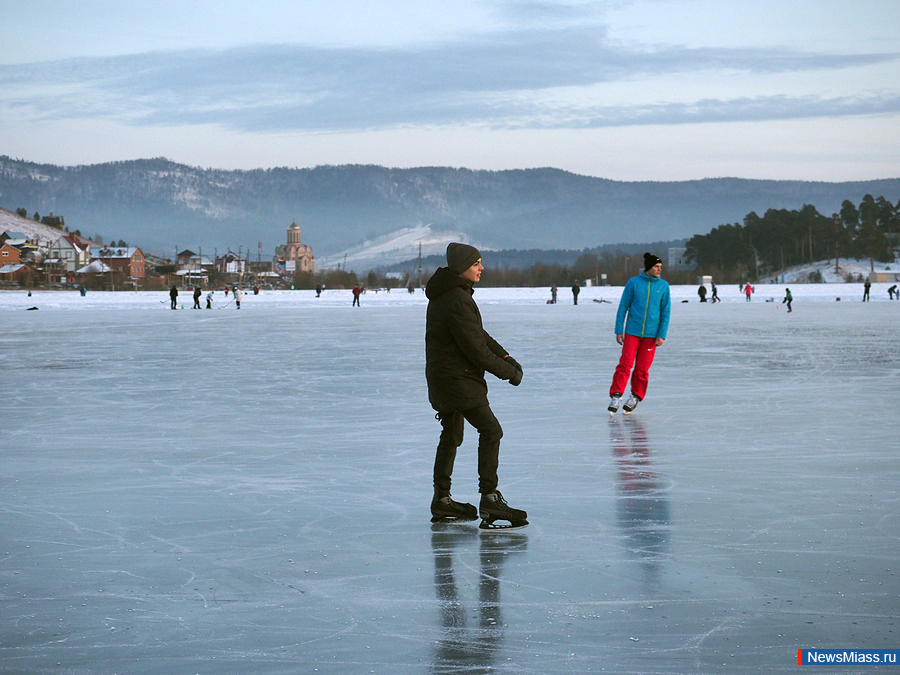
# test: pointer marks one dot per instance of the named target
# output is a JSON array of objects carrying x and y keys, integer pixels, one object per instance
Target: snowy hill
[
  {"x": 392, "y": 248},
  {"x": 854, "y": 269},
  {"x": 35, "y": 231}
]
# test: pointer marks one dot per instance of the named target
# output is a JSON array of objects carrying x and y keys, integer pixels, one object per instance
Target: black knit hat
[
  {"x": 461, "y": 257},
  {"x": 651, "y": 261}
]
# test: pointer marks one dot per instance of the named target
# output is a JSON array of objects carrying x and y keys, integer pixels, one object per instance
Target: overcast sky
[{"x": 628, "y": 90}]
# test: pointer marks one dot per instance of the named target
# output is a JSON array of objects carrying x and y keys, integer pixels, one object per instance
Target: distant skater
[
  {"x": 173, "y": 295},
  {"x": 458, "y": 351},
  {"x": 236, "y": 292},
  {"x": 748, "y": 291},
  {"x": 715, "y": 293},
  {"x": 209, "y": 300},
  {"x": 892, "y": 291},
  {"x": 357, "y": 291},
  {"x": 576, "y": 289},
  {"x": 197, "y": 294},
  {"x": 866, "y": 288},
  {"x": 553, "y": 293},
  {"x": 702, "y": 293},
  {"x": 642, "y": 322},
  {"x": 788, "y": 299}
]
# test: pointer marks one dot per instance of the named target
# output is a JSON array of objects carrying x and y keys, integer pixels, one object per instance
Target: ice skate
[
  {"x": 631, "y": 404},
  {"x": 493, "y": 507},
  {"x": 445, "y": 510},
  {"x": 614, "y": 403}
]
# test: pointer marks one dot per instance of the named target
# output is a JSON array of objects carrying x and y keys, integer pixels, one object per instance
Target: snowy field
[{"x": 247, "y": 491}]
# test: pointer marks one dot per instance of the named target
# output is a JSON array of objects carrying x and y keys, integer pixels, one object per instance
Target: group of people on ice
[
  {"x": 701, "y": 291},
  {"x": 236, "y": 294},
  {"x": 459, "y": 351}
]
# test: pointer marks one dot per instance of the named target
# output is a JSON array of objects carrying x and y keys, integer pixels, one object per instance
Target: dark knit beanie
[
  {"x": 650, "y": 261},
  {"x": 461, "y": 257}
]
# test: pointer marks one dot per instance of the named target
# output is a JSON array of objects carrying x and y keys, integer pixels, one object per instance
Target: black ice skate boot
[
  {"x": 493, "y": 507},
  {"x": 444, "y": 509}
]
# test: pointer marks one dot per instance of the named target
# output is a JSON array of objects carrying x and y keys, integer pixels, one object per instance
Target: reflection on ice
[
  {"x": 642, "y": 505},
  {"x": 472, "y": 629}
]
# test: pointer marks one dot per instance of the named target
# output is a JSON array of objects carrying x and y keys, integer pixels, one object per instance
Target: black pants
[{"x": 489, "y": 435}]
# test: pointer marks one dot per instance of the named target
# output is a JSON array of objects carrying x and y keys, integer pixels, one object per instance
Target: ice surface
[{"x": 247, "y": 491}]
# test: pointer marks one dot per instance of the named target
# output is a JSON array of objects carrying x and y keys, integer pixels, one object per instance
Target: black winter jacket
[{"x": 457, "y": 348}]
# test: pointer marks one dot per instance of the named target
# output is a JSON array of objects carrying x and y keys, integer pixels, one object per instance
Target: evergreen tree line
[{"x": 765, "y": 245}]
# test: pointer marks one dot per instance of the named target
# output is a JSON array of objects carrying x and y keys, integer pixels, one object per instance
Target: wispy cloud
[{"x": 502, "y": 80}]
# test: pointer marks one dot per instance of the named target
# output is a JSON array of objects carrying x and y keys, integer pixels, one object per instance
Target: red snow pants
[{"x": 637, "y": 353}]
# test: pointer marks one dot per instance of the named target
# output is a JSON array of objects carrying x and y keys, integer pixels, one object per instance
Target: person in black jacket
[{"x": 458, "y": 351}]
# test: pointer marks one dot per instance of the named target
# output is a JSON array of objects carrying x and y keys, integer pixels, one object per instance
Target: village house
[
  {"x": 127, "y": 260},
  {"x": 10, "y": 255},
  {"x": 68, "y": 254},
  {"x": 884, "y": 277},
  {"x": 12, "y": 261},
  {"x": 8, "y": 236},
  {"x": 20, "y": 249},
  {"x": 231, "y": 263},
  {"x": 193, "y": 268}
]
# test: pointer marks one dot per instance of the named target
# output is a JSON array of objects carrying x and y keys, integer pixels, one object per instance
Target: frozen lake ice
[{"x": 248, "y": 491}]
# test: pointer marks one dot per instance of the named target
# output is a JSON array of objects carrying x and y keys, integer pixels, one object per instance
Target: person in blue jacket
[{"x": 642, "y": 323}]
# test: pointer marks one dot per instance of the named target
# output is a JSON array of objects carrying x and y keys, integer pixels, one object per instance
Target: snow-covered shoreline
[{"x": 147, "y": 300}]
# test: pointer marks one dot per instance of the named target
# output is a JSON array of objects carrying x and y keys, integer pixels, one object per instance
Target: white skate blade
[
  {"x": 452, "y": 520},
  {"x": 493, "y": 527}
]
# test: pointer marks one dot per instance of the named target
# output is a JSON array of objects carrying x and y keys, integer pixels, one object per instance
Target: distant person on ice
[
  {"x": 209, "y": 300},
  {"x": 891, "y": 291},
  {"x": 458, "y": 351},
  {"x": 357, "y": 291},
  {"x": 236, "y": 292},
  {"x": 748, "y": 291},
  {"x": 866, "y": 288},
  {"x": 702, "y": 293},
  {"x": 642, "y": 323},
  {"x": 173, "y": 295},
  {"x": 788, "y": 299},
  {"x": 715, "y": 293},
  {"x": 575, "y": 290},
  {"x": 197, "y": 293}
]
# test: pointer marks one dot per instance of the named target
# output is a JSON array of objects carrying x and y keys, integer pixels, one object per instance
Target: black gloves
[{"x": 517, "y": 378}]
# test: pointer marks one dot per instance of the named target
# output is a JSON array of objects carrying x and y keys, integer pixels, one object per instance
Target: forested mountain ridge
[{"x": 158, "y": 204}]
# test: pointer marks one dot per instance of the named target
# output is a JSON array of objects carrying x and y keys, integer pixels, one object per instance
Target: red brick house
[
  {"x": 128, "y": 260},
  {"x": 9, "y": 255}
]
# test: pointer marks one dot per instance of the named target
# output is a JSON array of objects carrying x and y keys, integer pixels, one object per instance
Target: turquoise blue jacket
[{"x": 647, "y": 304}]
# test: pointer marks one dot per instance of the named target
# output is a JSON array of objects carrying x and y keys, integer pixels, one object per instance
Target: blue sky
[{"x": 643, "y": 90}]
